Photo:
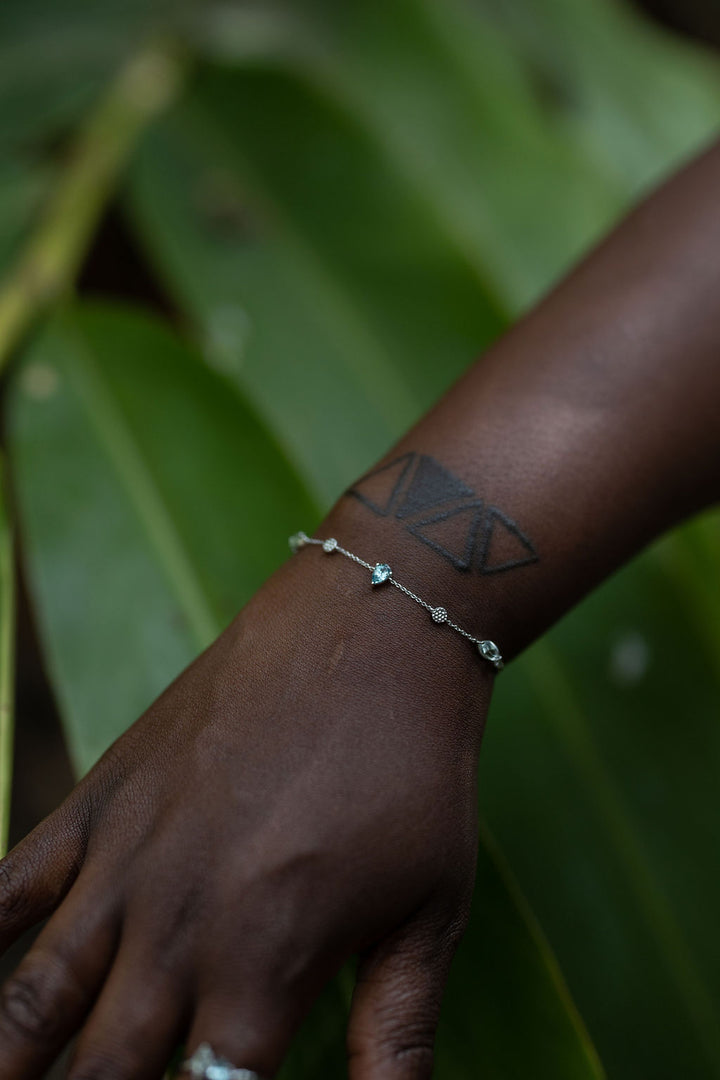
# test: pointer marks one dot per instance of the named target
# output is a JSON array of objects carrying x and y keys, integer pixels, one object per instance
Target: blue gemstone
[{"x": 381, "y": 573}]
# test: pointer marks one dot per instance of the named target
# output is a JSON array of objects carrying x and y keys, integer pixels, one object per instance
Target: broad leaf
[
  {"x": 599, "y": 774},
  {"x": 326, "y": 289},
  {"x": 56, "y": 57},
  {"x": 153, "y": 505},
  {"x": 507, "y": 1012}
]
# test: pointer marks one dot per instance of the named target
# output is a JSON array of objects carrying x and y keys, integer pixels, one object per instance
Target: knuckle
[
  {"x": 397, "y": 1035},
  {"x": 414, "y": 1060},
  {"x": 28, "y": 1007},
  {"x": 407, "y": 1053}
]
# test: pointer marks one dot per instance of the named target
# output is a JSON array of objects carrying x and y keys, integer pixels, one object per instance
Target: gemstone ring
[{"x": 205, "y": 1064}]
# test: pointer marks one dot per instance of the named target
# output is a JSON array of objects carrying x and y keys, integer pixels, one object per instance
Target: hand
[{"x": 304, "y": 791}]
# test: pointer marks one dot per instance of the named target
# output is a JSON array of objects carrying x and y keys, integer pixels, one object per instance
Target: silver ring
[{"x": 205, "y": 1064}]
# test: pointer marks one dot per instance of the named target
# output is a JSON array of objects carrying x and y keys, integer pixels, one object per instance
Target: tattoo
[
  {"x": 467, "y": 531},
  {"x": 472, "y": 517}
]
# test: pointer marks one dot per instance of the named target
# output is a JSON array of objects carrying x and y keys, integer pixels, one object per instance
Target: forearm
[{"x": 586, "y": 431}]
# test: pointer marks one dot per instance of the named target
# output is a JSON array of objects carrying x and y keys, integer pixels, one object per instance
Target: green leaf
[
  {"x": 458, "y": 113},
  {"x": 606, "y": 737},
  {"x": 7, "y": 661},
  {"x": 56, "y": 57},
  {"x": 153, "y": 504},
  {"x": 524, "y": 126},
  {"x": 507, "y": 1012},
  {"x": 316, "y": 277},
  {"x": 635, "y": 98}
]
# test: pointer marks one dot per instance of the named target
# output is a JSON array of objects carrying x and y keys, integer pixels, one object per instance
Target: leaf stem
[{"x": 52, "y": 257}]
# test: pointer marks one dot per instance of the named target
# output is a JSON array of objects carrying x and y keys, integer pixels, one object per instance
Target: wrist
[
  {"x": 384, "y": 660},
  {"x": 442, "y": 598}
]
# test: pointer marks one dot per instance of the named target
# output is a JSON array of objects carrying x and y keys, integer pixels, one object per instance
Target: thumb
[{"x": 396, "y": 1003}]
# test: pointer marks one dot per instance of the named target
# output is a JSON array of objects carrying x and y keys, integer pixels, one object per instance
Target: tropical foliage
[{"x": 340, "y": 205}]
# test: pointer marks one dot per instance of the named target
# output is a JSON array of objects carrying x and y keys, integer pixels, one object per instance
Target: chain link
[{"x": 381, "y": 573}]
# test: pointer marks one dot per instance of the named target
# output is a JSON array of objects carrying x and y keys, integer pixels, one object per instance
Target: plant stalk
[{"x": 47, "y": 267}]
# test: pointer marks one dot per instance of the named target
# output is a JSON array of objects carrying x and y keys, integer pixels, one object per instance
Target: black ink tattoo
[
  {"x": 413, "y": 486},
  {"x": 397, "y": 471},
  {"x": 495, "y": 522},
  {"x": 461, "y": 560}
]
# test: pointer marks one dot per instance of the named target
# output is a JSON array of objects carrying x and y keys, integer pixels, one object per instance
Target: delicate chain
[{"x": 381, "y": 573}]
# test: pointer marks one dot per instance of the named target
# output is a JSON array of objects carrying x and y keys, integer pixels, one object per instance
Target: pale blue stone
[
  {"x": 198, "y": 1064},
  {"x": 381, "y": 573},
  {"x": 219, "y": 1071},
  {"x": 490, "y": 651}
]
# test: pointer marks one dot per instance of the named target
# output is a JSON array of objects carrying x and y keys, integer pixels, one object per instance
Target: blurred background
[{"x": 242, "y": 247}]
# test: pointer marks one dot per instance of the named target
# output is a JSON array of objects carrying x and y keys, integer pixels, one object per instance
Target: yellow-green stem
[{"x": 47, "y": 267}]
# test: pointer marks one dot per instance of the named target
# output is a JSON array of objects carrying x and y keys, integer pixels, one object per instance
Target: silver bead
[
  {"x": 439, "y": 614},
  {"x": 296, "y": 541},
  {"x": 330, "y": 544}
]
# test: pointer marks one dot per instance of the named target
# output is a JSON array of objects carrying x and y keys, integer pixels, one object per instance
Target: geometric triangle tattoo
[
  {"x": 413, "y": 486},
  {"x": 430, "y": 485},
  {"x": 502, "y": 545},
  {"x": 379, "y": 489},
  {"x": 440, "y": 532}
]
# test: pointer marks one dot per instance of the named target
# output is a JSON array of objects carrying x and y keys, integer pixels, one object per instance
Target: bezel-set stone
[
  {"x": 205, "y": 1064},
  {"x": 381, "y": 573},
  {"x": 296, "y": 541},
  {"x": 330, "y": 544},
  {"x": 197, "y": 1065},
  {"x": 220, "y": 1070},
  {"x": 490, "y": 651},
  {"x": 439, "y": 615}
]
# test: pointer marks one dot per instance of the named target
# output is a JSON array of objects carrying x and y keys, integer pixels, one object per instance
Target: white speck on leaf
[
  {"x": 630, "y": 657},
  {"x": 40, "y": 381}
]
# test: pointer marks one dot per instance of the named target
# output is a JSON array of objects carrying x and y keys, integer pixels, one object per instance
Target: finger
[
  {"x": 251, "y": 1031},
  {"x": 46, "y": 999},
  {"x": 396, "y": 1003},
  {"x": 40, "y": 870},
  {"x": 137, "y": 1021},
  {"x": 251, "y": 1005}
]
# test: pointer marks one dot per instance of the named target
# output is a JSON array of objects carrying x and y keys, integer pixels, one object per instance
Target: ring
[{"x": 205, "y": 1064}]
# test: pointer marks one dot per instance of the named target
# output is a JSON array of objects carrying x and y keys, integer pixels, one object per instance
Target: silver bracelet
[{"x": 381, "y": 573}]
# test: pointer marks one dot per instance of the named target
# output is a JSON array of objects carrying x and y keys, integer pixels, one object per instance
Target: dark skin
[{"x": 306, "y": 790}]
